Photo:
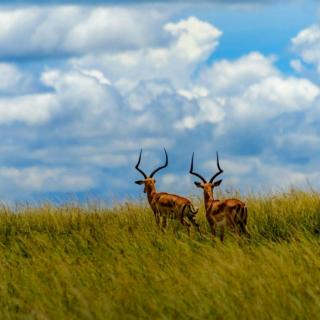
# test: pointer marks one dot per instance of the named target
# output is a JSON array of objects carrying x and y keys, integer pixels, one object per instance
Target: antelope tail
[
  {"x": 189, "y": 210},
  {"x": 182, "y": 213},
  {"x": 242, "y": 214},
  {"x": 193, "y": 210},
  {"x": 238, "y": 215},
  {"x": 245, "y": 215},
  {"x": 242, "y": 220},
  {"x": 191, "y": 215}
]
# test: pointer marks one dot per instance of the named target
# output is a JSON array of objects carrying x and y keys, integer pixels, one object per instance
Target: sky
[{"x": 85, "y": 85}]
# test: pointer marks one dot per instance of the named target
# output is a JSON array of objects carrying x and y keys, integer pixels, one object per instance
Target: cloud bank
[
  {"x": 75, "y": 125},
  {"x": 33, "y": 32}
]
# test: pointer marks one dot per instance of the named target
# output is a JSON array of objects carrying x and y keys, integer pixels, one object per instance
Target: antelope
[
  {"x": 165, "y": 205},
  {"x": 229, "y": 212}
]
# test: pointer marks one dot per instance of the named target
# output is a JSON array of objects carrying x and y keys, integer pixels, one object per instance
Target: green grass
[{"x": 86, "y": 262}]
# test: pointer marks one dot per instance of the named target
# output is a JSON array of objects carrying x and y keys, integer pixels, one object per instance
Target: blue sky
[{"x": 84, "y": 87}]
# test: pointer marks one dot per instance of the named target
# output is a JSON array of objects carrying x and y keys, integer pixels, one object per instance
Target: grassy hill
[{"x": 86, "y": 262}]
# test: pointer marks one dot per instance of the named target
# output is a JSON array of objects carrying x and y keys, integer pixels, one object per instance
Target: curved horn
[
  {"x": 219, "y": 172},
  {"x": 137, "y": 166},
  {"x": 194, "y": 173},
  {"x": 166, "y": 163}
]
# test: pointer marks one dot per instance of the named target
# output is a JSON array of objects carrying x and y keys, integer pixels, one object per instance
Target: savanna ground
[{"x": 89, "y": 262}]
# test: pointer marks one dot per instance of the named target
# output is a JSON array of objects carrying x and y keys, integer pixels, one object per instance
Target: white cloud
[
  {"x": 177, "y": 183},
  {"x": 246, "y": 91},
  {"x": 233, "y": 77},
  {"x": 99, "y": 109},
  {"x": 274, "y": 96},
  {"x": 232, "y": 167},
  {"x": 192, "y": 41},
  {"x": 12, "y": 80},
  {"x": 195, "y": 93},
  {"x": 281, "y": 177},
  {"x": 96, "y": 74},
  {"x": 307, "y": 44},
  {"x": 296, "y": 65},
  {"x": 195, "y": 38},
  {"x": 86, "y": 99},
  {"x": 35, "y": 179},
  {"x": 9, "y": 77},
  {"x": 298, "y": 145},
  {"x": 30, "y": 109},
  {"x": 54, "y": 30},
  {"x": 146, "y": 91},
  {"x": 210, "y": 110},
  {"x": 259, "y": 174}
]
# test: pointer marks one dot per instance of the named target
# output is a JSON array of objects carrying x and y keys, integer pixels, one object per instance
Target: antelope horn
[
  {"x": 194, "y": 173},
  {"x": 137, "y": 166},
  {"x": 166, "y": 164},
  {"x": 219, "y": 172}
]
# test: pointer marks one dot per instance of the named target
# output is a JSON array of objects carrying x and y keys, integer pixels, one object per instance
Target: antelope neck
[
  {"x": 151, "y": 193},
  {"x": 208, "y": 198}
]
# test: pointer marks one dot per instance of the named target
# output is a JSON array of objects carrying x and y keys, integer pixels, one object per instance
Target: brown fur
[
  {"x": 165, "y": 205},
  {"x": 231, "y": 213}
]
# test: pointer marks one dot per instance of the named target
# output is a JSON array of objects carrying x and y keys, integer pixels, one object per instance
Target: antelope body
[
  {"x": 165, "y": 205},
  {"x": 230, "y": 213}
]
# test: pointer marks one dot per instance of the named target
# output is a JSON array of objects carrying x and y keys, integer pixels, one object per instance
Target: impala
[
  {"x": 222, "y": 213},
  {"x": 165, "y": 205}
]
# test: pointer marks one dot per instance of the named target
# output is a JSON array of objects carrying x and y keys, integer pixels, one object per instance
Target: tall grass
[{"x": 88, "y": 262}]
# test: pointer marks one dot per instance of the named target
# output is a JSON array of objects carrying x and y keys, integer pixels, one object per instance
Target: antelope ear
[
  {"x": 217, "y": 183},
  {"x": 139, "y": 182},
  {"x": 198, "y": 184}
]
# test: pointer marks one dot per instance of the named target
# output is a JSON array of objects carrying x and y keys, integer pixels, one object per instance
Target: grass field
[{"x": 86, "y": 262}]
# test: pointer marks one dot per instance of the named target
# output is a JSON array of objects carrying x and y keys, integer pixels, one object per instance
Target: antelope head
[
  {"x": 148, "y": 181},
  {"x": 207, "y": 186}
]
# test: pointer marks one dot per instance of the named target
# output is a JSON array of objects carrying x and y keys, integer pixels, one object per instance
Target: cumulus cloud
[
  {"x": 80, "y": 125},
  {"x": 296, "y": 65},
  {"x": 68, "y": 30},
  {"x": 195, "y": 38},
  {"x": 89, "y": 103},
  {"x": 30, "y": 109},
  {"x": 307, "y": 44},
  {"x": 191, "y": 42},
  {"x": 13, "y": 81},
  {"x": 233, "y": 77},
  {"x": 32, "y": 183},
  {"x": 252, "y": 174},
  {"x": 247, "y": 92},
  {"x": 38, "y": 179},
  {"x": 274, "y": 96},
  {"x": 258, "y": 174}
]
